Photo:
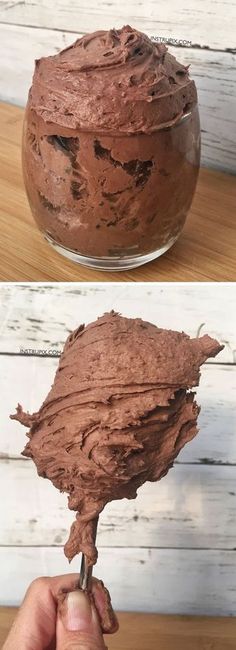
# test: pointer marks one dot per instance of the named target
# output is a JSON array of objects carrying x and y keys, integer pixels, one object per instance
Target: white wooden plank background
[
  {"x": 152, "y": 580},
  {"x": 28, "y": 379},
  {"x": 35, "y": 316},
  {"x": 194, "y": 507},
  {"x": 175, "y": 543},
  {"x": 29, "y": 30},
  {"x": 172, "y": 19}
]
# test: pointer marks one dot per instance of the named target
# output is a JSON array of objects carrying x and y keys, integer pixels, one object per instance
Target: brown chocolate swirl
[
  {"x": 112, "y": 81},
  {"x": 117, "y": 415}
]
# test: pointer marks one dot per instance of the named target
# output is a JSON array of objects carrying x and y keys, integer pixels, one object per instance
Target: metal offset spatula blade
[
  {"x": 85, "y": 574},
  {"x": 86, "y": 571}
]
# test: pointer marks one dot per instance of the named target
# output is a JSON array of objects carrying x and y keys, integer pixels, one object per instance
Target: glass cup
[{"x": 111, "y": 202}]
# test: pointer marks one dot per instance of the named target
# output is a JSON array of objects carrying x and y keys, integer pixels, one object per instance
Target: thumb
[{"x": 78, "y": 626}]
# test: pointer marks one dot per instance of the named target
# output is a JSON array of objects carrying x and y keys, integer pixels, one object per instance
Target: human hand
[{"x": 56, "y": 615}]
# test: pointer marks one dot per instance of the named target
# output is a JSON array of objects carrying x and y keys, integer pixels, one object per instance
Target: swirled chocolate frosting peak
[
  {"x": 118, "y": 413},
  {"x": 112, "y": 81}
]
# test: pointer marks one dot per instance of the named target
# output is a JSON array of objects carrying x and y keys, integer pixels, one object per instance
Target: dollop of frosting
[
  {"x": 112, "y": 81},
  {"x": 117, "y": 415}
]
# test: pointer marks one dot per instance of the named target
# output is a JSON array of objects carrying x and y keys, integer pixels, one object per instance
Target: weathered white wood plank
[
  {"x": 27, "y": 380},
  {"x": 214, "y": 72},
  {"x": 40, "y": 317},
  {"x": 202, "y": 22},
  {"x": 193, "y": 507},
  {"x": 166, "y": 581}
]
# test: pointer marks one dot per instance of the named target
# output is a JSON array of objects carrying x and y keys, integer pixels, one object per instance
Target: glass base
[{"x": 109, "y": 263}]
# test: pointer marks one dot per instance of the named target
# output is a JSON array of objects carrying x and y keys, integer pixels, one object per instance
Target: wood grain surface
[
  {"x": 204, "y": 252},
  {"x": 154, "y": 632}
]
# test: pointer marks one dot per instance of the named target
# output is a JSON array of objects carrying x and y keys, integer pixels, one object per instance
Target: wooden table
[
  {"x": 155, "y": 632},
  {"x": 204, "y": 252}
]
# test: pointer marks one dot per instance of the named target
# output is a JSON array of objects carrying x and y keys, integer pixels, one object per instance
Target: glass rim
[{"x": 113, "y": 134}]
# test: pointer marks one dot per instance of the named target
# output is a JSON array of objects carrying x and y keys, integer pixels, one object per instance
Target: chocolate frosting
[
  {"x": 100, "y": 599},
  {"x": 112, "y": 81},
  {"x": 117, "y": 415}
]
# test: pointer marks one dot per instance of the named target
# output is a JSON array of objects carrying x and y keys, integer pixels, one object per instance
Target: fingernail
[{"x": 78, "y": 611}]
